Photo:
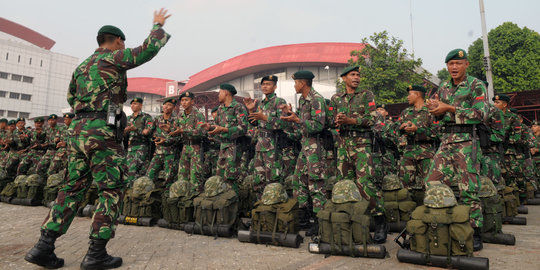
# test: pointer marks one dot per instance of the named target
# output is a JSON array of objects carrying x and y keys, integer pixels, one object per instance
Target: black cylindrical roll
[
  {"x": 456, "y": 262},
  {"x": 163, "y": 223},
  {"x": 88, "y": 210},
  {"x": 373, "y": 250},
  {"x": 18, "y": 201},
  {"x": 121, "y": 219},
  {"x": 523, "y": 209},
  {"x": 535, "y": 201},
  {"x": 515, "y": 220},
  {"x": 5, "y": 199},
  {"x": 499, "y": 238},
  {"x": 216, "y": 230},
  {"x": 280, "y": 239},
  {"x": 397, "y": 227},
  {"x": 146, "y": 221}
]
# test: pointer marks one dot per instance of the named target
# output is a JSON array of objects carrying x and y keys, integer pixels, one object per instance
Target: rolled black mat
[
  {"x": 373, "y": 250},
  {"x": 455, "y": 262},
  {"x": 278, "y": 239}
]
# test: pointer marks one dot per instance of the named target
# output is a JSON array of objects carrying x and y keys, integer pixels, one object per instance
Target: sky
[{"x": 206, "y": 32}]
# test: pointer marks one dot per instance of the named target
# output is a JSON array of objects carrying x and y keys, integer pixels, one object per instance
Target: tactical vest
[
  {"x": 441, "y": 231},
  {"x": 344, "y": 224},
  {"x": 398, "y": 205},
  {"x": 177, "y": 210},
  {"x": 217, "y": 211},
  {"x": 275, "y": 218}
]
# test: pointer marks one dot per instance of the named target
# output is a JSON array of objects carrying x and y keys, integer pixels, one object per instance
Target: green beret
[
  {"x": 348, "y": 69},
  {"x": 535, "y": 123},
  {"x": 187, "y": 94},
  {"x": 381, "y": 106},
  {"x": 228, "y": 87},
  {"x": 416, "y": 87},
  {"x": 456, "y": 54},
  {"x": 514, "y": 110},
  {"x": 272, "y": 78},
  {"x": 69, "y": 115},
  {"x": 137, "y": 99},
  {"x": 12, "y": 122},
  {"x": 173, "y": 101},
  {"x": 3, "y": 120},
  {"x": 53, "y": 116},
  {"x": 112, "y": 30},
  {"x": 38, "y": 119},
  {"x": 303, "y": 74},
  {"x": 21, "y": 119},
  {"x": 214, "y": 109},
  {"x": 502, "y": 97}
]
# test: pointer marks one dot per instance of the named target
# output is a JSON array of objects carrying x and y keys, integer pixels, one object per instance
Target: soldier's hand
[
  {"x": 291, "y": 118},
  {"x": 130, "y": 128},
  {"x": 217, "y": 129},
  {"x": 165, "y": 127},
  {"x": 176, "y": 132},
  {"x": 205, "y": 126},
  {"x": 534, "y": 151},
  {"x": 442, "y": 108},
  {"x": 411, "y": 128},
  {"x": 257, "y": 116},
  {"x": 286, "y": 109},
  {"x": 342, "y": 119},
  {"x": 160, "y": 16},
  {"x": 145, "y": 132},
  {"x": 250, "y": 104},
  {"x": 159, "y": 141}
]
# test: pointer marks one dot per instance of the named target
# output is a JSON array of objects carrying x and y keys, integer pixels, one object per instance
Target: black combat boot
[
  {"x": 381, "y": 229},
  {"x": 477, "y": 239},
  {"x": 97, "y": 257},
  {"x": 313, "y": 229},
  {"x": 305, "y": 216},
  {"x": 42, "y": 253}
]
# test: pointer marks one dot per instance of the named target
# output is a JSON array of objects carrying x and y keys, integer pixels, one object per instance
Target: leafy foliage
[{"x": 443, "y": 75}]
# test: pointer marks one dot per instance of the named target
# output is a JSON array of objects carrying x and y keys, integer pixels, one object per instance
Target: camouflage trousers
[
  {"x": 3, "y": 155},
  {"x": 491, "y": 168},
  {"x": 190, "y": 167},
  {"x": 413, "y": 169},
  {"x": 267, "y": 170},
  {"x": 93, "y": 155},
  {"x": 165, "y": 162},
  {"x": 59, "y": 161},
  {"x": 12, "y": 162},
  {"x": 453, "y": 165},
  {"x": 45, "y": 162},
  {"x": 355, "y": 162},
  {"x": 137, "y": 158},
  {"x": 385, "y": 164},
  {"x": 308, "y": 185},
  {"x": 536, "y": 161},
  {"x": 29, "y": 162},
  {"x": 513, "y": 174},
  {"x": 228, "y": 165},
  {"x": 288, "y": 159},
  {"x": 210, "y": 162}
]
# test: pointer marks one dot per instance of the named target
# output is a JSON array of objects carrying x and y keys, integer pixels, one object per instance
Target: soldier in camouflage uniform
[
  {"x": 386, "y": 152},
  {"x": 535, "y": 151},
  {"x": 188, "y": 127},
  {"x": 97, "y": 89},
  {"x": 19, "y": 144},
  {"x": 59, "y": 161},
  {"x": 212, "y": 150},
  {"x": 53, "y": 132},
  {"x": 527, "y": 175},
  {"x": 416, "y": 140},
  {"x": 138, "y": 151},
  {"x": 229, "y": 125},
  {"x": 3, "y": 135},
  {"x": 460, "y": 104},
  {"x": 266, "y": 117},
  {"x": 494, "y": 153},
  {"x": 7, "y": 144},
  {"x": 309, "y": 121},
  {"x": 165, "y": 155},
  {"x": 36, "y": 150}
]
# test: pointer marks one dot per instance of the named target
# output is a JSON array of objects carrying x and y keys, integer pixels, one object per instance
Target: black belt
[
  {"x": 413, "y": 141},
  {"x": 266, "y": 134},
  {"x": 94, "y": 115},
  {"x": 355, "y": 133},
  {"x": 457, "y": 129}
]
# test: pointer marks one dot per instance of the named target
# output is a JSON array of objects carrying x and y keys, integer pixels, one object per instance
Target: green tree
[
  {"x": 443, "y": 75},
  {"x": 515, "y": 58},
  {"x": 387, "y": 68}
]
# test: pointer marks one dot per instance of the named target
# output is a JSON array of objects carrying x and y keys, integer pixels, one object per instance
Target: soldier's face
[
  {"x": 214, "y": 115},
  {"x": 382, "y": 112},
  {"x": 11, "y": 127},
  {"x": 67, "y": 121},
  {"x": 186, "y": 102},
  {"x": 51, "y": 122},
  {"x": 38, "y": 124},
  {"x": 299, "y": 85},
  {"x": 3, "y": 125},
  {"x": 222, "y": 95},
  {"x": 413, "y": 96},
  {"x": 168, "y": 108},
  {"x": 136, "y": 106},
  {"x": 352, "y": 79},
  {"x": 20, "y": 124},
  {"x": 500, "y": 104},
  {"x": 535, "y": 128},
  {"x": 457, "y": 68},
  {"x": 268, "y": 87}
]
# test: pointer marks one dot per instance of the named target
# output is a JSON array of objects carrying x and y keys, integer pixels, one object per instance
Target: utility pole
[{"x": 487, "y": 60}]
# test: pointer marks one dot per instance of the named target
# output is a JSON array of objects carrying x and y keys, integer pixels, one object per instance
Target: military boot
[
  {"x": 381, "y": 229},
  {"x": 313, "y": 229},
  {"x": 305, "y": 216},
  {"x": 42, "y": 253},
  {"x": 97, "y": 257},
  {"x": 477, "y": 239}
]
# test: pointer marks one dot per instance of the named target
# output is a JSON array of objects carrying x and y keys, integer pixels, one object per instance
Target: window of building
[
  {"x": 3, "y": 93},
  {"x": 12, "y": 114},
  {"x": 28, "y": 79},
  {"x": 15, "y": 77},
  {"x": 19, "y": 59},
  {"x": 26, "y": 97},
  {"x": 30, "y": 62},
  {"x": 7, "y": 56},
  {"x": 41, "y": 63},
  {"x": 14, "y": 95},
  {"x": 2, "y": 112},
  {"x": 24, "y": 114},
  {"x": 3, "y": 75}
]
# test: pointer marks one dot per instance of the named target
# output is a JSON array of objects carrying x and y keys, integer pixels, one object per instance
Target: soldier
[
  {"x": 385, "y": 148},
  {"x": 96, "y": 94},
  {"x": 164, "y": 157},
  {"x": 53, "y": 133},
  {"x": 229, "y": 125},
  {"x": 19, "y": 143},
  {"x": 3, "y": 135},
  {"x": 309, "y": 121},
  {"x": 36, "y": 150},
  {"x": 138, "y": 152},
  {"x": 7, "y": 141},
  {"x": 493, "y": 154},
  {"x": 188, "y": 127},
  {"x": 535, "y": 151},
  {"x": 212, "y": 151},
  {"x": 354, "y": 114},
  {"x": 59, "y": 161},
  {"x": 266, "y": 117},
  {"x": 527, "y": 175},
  {"x": 416, "y": 141},
  {"x": 460, "y": 104}
]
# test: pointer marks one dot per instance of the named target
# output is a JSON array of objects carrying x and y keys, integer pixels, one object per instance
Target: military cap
[
  {"x": 269, "y": 78},
  {"x": 3, "y": 120},
  {"x": 348, "y": 69},
  {"x": 514, "y": 110},
  {"x": 381, "y": 106},
  {"x": 112, "y": 30},
  {"x": 53, "y": 116},
  {"x": 228, "y": 87},
  {"x": 69, "y": 115},
  {"x": 11, "y": 122},
  {"x": 502, "y": 97},
  {"x": 214, "y": 109},
  {"x": 416, "y": 87},
  {"x": 38, "y": 119},
  {"x": 303, "y": 74},
  {"x": 187, "y": 94},
  {"x": 173, "y": 101},
  {"x": 137, "y": 99},
  {"x": 535, "y": 123},
  {"x": 21, "y": 119},
  {"x": 456, "y": 54}
]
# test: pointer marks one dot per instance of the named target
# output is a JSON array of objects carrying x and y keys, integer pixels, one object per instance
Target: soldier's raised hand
[
  {"x": 160, "y": 16},
  {"x": 250, "y": 104}
]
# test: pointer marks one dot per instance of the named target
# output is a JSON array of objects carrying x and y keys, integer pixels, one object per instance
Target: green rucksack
[
  {"x": 246, "y": 196},
  {"x": 492, "y": 206},
  {"x": 34, "y": 183},
  {"x": 177, "y": 204},
  {"x": 398, "y": 203},
  {"x": 20, "y": 185},
  {"x": 511, "y": 202},
  {"x": 143, "y": 199},
  {"x": 275, "y": 212},
  {"x": 54, "y": 182}
]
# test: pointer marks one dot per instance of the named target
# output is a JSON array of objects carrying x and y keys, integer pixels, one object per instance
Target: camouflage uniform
[
  {"x": 355, "y": 152},
  {"x": 165, "y": 155},
  {"x": 138, "y": 151},
  {"x": 98, "y": 82},
  {"x": 234, "y": 118},
  {"x": 511, "y": 170},
  {"x": 536, "y": 157},
  {"x": 492, "y": 155},
  {"x": 59, "y": 161},
  {"x": 53, "y": 134},
  {"x": 385, "y": 156},
  {"x": 310, "y": 168},
  {"x": 35, "y": 153},
  {"x": 3, "y": 152},
  {"x": 458, "y": 158},
  {"x": 268, "y": 168},
  {"x": 191, "y": 159},
  {"x": 19, "y": 144}
]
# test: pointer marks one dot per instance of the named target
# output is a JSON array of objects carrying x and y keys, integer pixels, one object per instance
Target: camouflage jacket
[
  {"x": 422, "y": 139},
  {"x": 39, "y": 138},
  {"x": 140, "y": 122},
  {"x": 512, "y": 132},
  {"x": 191, "y": 124},
  {"x": 64, "y": 134},
  {"x": 495, "y": 124},
  {"x": 101, "y": 78},
  {"x": 20, "y": 139},
  {"x": 312, "y": 113},
  {"x": 233, "y": 117},
  {"x": 168, "y": 147},
  {"x": 270, "y": 107},
  {"x": 3, "y": 136},
  {"x": 52, "y": 135},
  {"x": 469, "y": 99}
]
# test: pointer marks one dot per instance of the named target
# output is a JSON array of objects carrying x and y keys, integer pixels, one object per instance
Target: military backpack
[
  {"x": 143, "y": 199},
  {"x": 275, "y": 212},
  {"x": 177, "y": 204},
  {"x": 50, "y": 191},
  {"x": 398, "y": 203}
]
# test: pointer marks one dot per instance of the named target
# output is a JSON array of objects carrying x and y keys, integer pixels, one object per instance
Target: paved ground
[{"x": 158, "y": 248}]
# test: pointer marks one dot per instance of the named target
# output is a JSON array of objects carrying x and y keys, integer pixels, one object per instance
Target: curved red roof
[
  {"x": 25, "y": 33},
  {"x": 148, "y": 85},
  {"x": 273, "y": 57}
]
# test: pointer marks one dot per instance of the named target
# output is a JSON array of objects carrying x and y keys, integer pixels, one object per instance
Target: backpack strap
[
  {"x": 449, "y": 251},
  {"x": 275, "y": 227}
]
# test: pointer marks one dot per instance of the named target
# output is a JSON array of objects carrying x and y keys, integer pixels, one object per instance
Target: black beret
[
  {"x": 12, "y": 122},
  {"x": 173, "y": 101},
  {"x": 38, "y": 119},
  {"x": 228, "y": 87},
  {"x": 3, "y": 120},
  {"x": 502, "y": 97},
  {"x": 53, "y": 116},
  {"x": 187, "y": 94},
  {"x": 269, "y": 78},
  {"x": 21, "y": 119},
  {"x": 303, "y": 74},
  {"x": 514, "y": 110},
  {"x": 416, "y": 87},
  {"x": 456, "y": 54},
  {"x": 381, "y": 106},
  {"x": 137, "y": 99},
  {"x": 69, "y": 115},
  {"x": 112, "y": 30},
  {"x": 348, "y": 69},
  {"x": 535, "y": 123},
  {"x": 214, "y": 109}
]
